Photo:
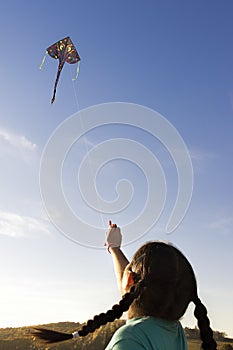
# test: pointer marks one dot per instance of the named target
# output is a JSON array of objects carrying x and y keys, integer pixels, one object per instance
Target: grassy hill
[{"x": 22, "y": 339}]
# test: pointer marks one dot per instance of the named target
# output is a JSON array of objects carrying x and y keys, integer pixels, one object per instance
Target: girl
[{"x": 157, "y": 287}]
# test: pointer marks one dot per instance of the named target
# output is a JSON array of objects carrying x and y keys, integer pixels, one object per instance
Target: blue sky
[{"x": 173, "y": 57}]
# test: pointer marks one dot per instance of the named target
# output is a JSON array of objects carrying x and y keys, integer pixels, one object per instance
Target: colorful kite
[{"x": 64, "y": 51}]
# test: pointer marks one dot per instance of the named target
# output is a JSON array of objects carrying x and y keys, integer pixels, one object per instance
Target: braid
[
  {"x": 206, "y": 333},
  {"x": 114, "y": 313}
]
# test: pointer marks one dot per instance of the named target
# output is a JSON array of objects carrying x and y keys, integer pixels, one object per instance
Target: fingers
[{"x": 111, "y": 225}]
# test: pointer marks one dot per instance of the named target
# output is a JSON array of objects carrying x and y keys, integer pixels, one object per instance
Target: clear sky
[{"x": 175, "y": 57}]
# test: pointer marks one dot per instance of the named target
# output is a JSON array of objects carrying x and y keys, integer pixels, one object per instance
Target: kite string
[{"x": 87, "y": 150}]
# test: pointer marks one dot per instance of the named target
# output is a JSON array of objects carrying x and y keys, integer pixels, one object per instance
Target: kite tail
[
  {"x": 42, "y": 62},
  {"x": 56, "y": 82},
  {"x": 77, "y": 71},
  {"x": 53, "y": 98}
]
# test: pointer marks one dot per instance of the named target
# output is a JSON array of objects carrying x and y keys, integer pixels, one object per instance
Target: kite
[{"x": 64, "y": 51}]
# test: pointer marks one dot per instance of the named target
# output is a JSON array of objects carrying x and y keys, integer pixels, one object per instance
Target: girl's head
[{"x": 165, "y": 280}]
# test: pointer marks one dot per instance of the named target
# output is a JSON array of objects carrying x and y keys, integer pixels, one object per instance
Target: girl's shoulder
[
  {"x": 149, "y": 333},
  {"x": 149, "y": 321}
]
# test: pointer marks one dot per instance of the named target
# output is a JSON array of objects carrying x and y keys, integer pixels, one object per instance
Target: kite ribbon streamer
[
  {"x": 42, "y": 62},
  {"x": 77, "y": 71}
]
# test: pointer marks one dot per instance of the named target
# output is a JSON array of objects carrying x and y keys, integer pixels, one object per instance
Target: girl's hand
[{"x": 113, "y": 236}]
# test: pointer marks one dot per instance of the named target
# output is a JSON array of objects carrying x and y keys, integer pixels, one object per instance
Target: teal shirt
[{"x": 149, "y": 333}]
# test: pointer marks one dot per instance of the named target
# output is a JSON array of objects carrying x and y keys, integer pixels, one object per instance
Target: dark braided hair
[
  {"x": 114, "y": 313},
  {"x": 203, "y": 322},
  {"x": 164, "y": 285}
]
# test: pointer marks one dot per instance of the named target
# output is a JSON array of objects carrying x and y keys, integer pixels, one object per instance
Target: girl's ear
[
  {"x": 131, "y": 279},
  {"x": 127, "y": 281}
]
